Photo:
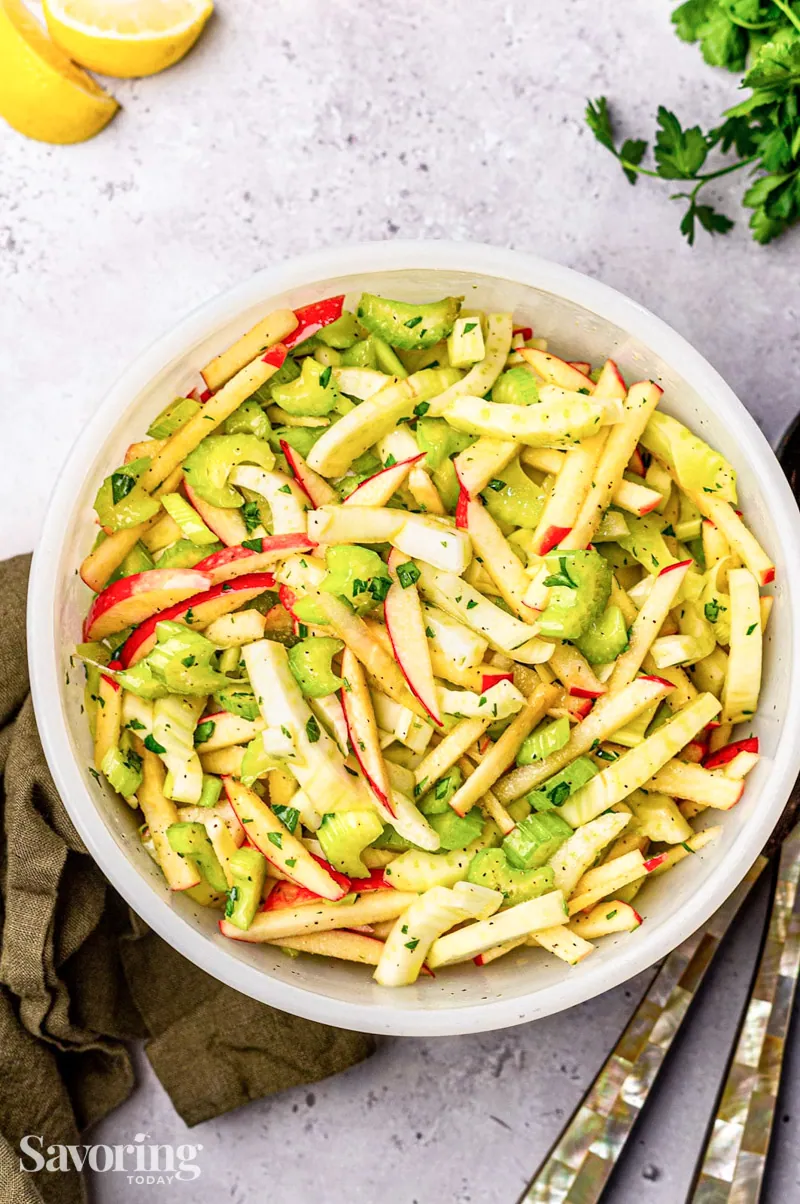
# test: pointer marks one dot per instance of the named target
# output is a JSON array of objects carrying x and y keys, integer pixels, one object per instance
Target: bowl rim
[{"x": 478, "y": 259}]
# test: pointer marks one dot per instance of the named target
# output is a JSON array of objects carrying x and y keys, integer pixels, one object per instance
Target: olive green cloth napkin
[{"x": 80, "y": 974}]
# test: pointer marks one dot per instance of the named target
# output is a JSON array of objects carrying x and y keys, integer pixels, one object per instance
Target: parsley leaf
[
  {"x": 561, "y": 578},
  {"x": 121, "y": 484},
  {"x": 204, "y": 731},
  {"x": 250, "y": 514},
  {"x": 407, "y": 573},
  {"x": 153, "y": 745},
  {"x": 379, "y": 587},
  {"x": 312, "y": 730},
  {"x": 761, "y": 39},
  {"x": 287, "y": 815},
  {"x": 711, "y": 610}
]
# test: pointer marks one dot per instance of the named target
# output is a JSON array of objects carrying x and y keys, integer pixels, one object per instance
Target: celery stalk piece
[
  {"x": 693, "y": 463},
  {"x": 405, "y": 325},
  {"x": 191, "y": 524},
  {"x": 191, "y": 840},
  {"x": 419, "y": 870},
  {"x": 344, "y": 835},
  {"x": 491, "y": 867},
  {"x": 249, "y": 870},
  {"x": 535, "y": 839},
  {"x": 546, "y": 739},
  {"x": 121, "y": 502},
  {"x": 123, "y": 771},
  {"x": 310, "y": 663},
  {"x": 580, "y": 586},
  {"x": 173, "y": 417},
  {"x": 209, "y": 466}
]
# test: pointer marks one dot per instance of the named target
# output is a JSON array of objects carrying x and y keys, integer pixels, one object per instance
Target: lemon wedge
[
  {"x": 127, "y": 37},
  {"x": 43, "y": 94}
]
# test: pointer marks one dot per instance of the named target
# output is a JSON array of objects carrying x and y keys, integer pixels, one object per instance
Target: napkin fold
[{"x": 81, "y": 975}]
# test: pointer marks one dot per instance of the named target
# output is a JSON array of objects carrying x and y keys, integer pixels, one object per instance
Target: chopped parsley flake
[
  {"x": 561, "y": 578},
  {"x": 230, "y": 901},
  {"x": 407, "y": 573},
  {"x": 252, "y": 518}
]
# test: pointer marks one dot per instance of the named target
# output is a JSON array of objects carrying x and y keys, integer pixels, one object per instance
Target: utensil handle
[
  {"x": 733, "y": 1162},
  {"x": 580, "y": 1163}
]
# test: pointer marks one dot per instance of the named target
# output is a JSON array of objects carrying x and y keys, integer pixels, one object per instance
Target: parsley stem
[
  {"x": 703, "y": 179},
  {"x": 786, "y": 9},
  {"x": 740, "y": 21},
  {"x": 725, "y": 171},
  {"x": 642, "y": 171}
]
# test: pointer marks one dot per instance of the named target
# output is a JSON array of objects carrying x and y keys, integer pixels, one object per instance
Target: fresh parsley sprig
[{"x": 763, "y": 132}]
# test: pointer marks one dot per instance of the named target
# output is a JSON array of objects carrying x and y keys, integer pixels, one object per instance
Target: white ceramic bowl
[{"x": 579, "y": 317}]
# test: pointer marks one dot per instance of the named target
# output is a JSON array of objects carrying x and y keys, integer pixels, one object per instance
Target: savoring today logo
[{"x": 141, "y": 1163}]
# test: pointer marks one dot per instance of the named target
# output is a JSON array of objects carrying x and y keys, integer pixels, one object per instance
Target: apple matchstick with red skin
[
  {"x": 237, "y": 560},
  {"x": 315, "y": 487},
  {"x": 727, "y": 753},
  {"x": 312, "y": 318},
  {"x": 196, "y": 611},
  {"x": 405, "y": 623},
  {"x": 493, "y": 679},
  {"x": 362, "y": 730},
  {"x": 131, "y": 600},
  {"x": 380, "y": 487},
  {"x": 227, "y": 525}
]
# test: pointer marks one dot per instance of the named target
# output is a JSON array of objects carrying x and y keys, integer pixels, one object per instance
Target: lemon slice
[
  {"x": 127, "y": 37},
  {"x": 43, "y": 94}
]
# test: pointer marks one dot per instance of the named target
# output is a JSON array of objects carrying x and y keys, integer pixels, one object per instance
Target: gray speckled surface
[{"x": 302, "y": 124}]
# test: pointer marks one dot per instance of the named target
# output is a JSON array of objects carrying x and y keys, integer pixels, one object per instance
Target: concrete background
[{"x": 298, "y": 125}]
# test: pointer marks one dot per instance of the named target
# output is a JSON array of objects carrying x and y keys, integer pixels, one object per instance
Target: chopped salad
[{"x": 412, "y": 643}]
